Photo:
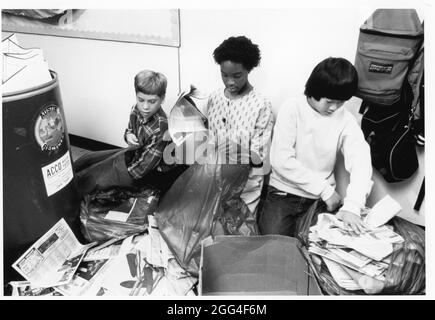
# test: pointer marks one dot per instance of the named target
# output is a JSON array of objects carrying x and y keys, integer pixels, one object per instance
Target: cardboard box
[{"x": 256, "y": 265}]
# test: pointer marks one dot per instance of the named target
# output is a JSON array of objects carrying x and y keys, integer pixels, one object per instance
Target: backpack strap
[
  {"x": 420, "y": 197},
  {"x": 363, "y": 107}
]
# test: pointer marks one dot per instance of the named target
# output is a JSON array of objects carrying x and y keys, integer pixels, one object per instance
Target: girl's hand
[
  {"x": 131, "y": 139},
  {"x": 352, "y": 221}
]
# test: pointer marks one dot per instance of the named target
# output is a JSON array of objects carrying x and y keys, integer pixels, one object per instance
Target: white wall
[
  {"x": 96, "y": 80},
  {"x": 292, "y": 42}
]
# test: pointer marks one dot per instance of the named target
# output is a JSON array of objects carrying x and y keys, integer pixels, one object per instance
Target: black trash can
[{"x": 38, "y": 178}]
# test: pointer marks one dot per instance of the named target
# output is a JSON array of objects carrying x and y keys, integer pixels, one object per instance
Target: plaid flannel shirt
[{"x": 150, "y": 133}]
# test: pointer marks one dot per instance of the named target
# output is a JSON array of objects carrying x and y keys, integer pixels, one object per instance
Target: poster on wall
[{"x": 159, "y": 27}]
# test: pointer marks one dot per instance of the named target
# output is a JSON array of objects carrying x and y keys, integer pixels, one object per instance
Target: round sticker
[{"x": 49, "y": 128}]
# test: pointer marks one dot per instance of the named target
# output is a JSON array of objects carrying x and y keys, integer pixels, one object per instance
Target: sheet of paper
[
  {"x": 53, "y": 259},
  {"x": 373, "y": 269},
  {"x": 117, "y": 216},
  {"x": 382, "y": 212},
  {"x": 185, "y": 116},
  {"x": 107, "y": 250},
  {"x": 340, "y": 276},
  {"x": 386, "y": 233},
  {"x": 368, "y": 284},
  {"x": 352, "y": 256},
  {"x": 86, "y": 281},
  {"x": 122, "y": 212}
]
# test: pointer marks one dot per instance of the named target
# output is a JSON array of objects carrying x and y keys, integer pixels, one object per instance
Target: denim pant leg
[
  {"x": 279, "y": 213},
  {"x": 304, "y": 205}
]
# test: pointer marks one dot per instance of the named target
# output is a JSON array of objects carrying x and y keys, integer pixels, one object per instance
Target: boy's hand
[
  {"x": 333, "y": 202},
  {"x": 131, "y": 139},
  {"x": 352, "y": 221}
]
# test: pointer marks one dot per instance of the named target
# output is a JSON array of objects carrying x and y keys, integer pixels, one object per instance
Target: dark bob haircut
[
  {"x": 239, "y": 50},
  {"x": 333, "y": 78}
]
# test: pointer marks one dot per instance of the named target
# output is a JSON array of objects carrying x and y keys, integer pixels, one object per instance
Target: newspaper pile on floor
[
  {"x": 139, "y": 265},
  {"x": 357, "y": 262}
]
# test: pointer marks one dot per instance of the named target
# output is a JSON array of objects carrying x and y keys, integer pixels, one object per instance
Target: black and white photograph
[{"x": 273, "y": 150}]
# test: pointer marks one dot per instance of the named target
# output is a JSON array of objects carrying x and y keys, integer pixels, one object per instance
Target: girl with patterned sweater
[{"x": 239, "y": 113}]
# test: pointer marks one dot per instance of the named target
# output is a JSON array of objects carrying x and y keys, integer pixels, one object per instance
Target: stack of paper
[
  {"x": 367, "y": 255},
  {"x": 343, "y": 278},
  {"x": 23, "y": 68}
]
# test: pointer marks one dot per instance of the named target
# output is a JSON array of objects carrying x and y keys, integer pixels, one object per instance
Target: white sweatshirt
[{"x": 304, "y": 150}]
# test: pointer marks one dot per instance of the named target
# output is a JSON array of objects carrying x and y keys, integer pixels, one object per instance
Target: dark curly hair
[
  {"x": 240, "y": 50},
  {"x": 333, "y": 78}
]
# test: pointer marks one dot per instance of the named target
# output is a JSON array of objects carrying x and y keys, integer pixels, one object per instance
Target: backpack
[
  {"x": 389, "y": 45},
  {"x": 390, "y": 134},
  {"x": 388, "y": 41}
]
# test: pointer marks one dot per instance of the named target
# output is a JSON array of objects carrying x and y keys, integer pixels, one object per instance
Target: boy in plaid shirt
[
  {"x": 131, "y": 166},
  {"x": 147, "y": 125}
]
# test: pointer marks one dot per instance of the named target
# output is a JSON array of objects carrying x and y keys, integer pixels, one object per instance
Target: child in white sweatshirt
[{"x": 308, "y": 134}]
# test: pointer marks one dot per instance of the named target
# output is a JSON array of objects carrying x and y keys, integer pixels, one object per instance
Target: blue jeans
[{"x": 279, "y": 213}]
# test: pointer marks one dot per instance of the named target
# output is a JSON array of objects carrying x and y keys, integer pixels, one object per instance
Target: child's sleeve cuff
[
  {"x": 125, "y": 134},
  {"x": 327, "y": 192},
  {"x": 351, "y": 207}
]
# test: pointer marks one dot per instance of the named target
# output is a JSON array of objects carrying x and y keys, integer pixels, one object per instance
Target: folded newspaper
[
  {"x": 185, "y": 117},
  {"x": 134, "y": 266},
  {"x": 53, "y": 259},
  {"x": 89, "y": 278}
]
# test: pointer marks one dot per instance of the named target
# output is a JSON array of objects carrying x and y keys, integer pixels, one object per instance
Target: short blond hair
[{"x": 150, "y": 82}]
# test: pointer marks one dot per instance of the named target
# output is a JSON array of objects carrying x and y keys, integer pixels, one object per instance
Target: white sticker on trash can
[
  {"x": 57, "y": 174},
  {"x": 49, "y": 128}
]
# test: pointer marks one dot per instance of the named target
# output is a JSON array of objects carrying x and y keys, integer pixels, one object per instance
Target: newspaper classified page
[{"x": 53, "y": 259}]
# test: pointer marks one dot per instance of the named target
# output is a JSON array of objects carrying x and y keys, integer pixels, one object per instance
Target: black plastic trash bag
[
  {"x": 94, "y": 208},
  {"x": 106, "y": 169},
  {"x": 102, "y": 170},
  {"x": 407, "y": 271},
  {"x": 203, "y": 201},
  {"x": 406, "y": 274}
]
